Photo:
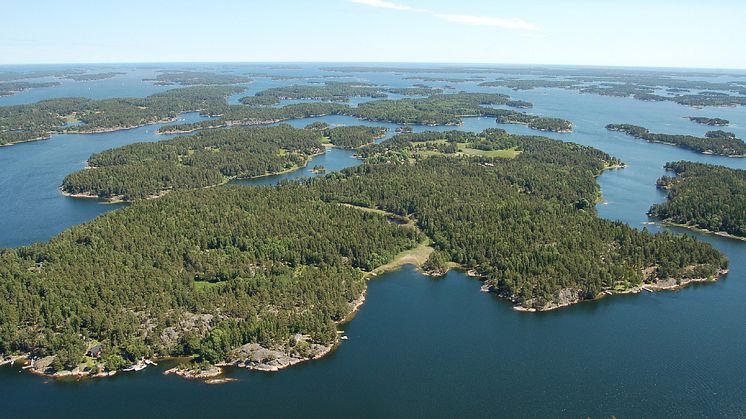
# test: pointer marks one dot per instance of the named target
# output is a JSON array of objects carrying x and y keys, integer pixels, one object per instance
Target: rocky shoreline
[{"x": 570, "y": 296}]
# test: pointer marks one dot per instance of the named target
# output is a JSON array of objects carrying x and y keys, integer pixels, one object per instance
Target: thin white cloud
[
  {"x": 383, "y": 4},
  {"x": 496, "y": 22}
]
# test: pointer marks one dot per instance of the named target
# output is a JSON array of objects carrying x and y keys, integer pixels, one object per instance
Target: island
[
  {"x": 438, "y": 109},
  {"x": 260, "y": 277},
  {"x": 35, "y": 121},
  {"x": 719, "y": 143},
  {"x": 93, "y": 76},
  {"x": 536, "y": 122},
  {"x": 190, "y": 78},
  {"x": 704, "y": 196},
  {"x": 332, "y": 92},
  {"x": 10, "y": 88},
  {"x": 716, "y": 122},
  {"x": 208, "y": 158}
]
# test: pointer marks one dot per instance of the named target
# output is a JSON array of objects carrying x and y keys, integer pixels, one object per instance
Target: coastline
[
  {"x": 701, "y": 230},
  {"x": 118, "y": 199},
  {"x": 572, "y": 296}
]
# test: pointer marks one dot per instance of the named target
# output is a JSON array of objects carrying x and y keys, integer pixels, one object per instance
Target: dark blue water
[{"x": 424, "y": 347}]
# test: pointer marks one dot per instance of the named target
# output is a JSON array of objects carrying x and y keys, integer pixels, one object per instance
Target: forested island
[
  {"x": 13, "y": 87},
  {"x": 719, "y": 143},
  {"x": 439, "y": 109},
  {"x": 716, "y": 122},
  {"x": 235, "y": 276},
  {"x": 93, "y": 76},
  {"x": 332, "y": 92},
  {"x": 536, "y": 122},
  {"x": 209, "y": 158},
  {"x": 704, "y": 196},
  {"x": 39, "y": 120},
  {"x": 189, "y": 78}
]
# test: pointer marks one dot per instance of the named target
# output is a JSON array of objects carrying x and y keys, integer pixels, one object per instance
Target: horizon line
[{"x": 485, "y": 64}]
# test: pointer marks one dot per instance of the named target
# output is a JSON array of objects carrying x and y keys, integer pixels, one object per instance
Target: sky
[{"x": 650, "y": 33}]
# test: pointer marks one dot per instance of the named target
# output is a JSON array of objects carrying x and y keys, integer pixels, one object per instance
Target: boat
[
  {"x": 135, "y": 368},
  {"x": 344, "y": 337}
]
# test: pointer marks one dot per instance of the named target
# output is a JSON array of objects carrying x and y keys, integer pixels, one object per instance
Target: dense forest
[
  {"x": 197, "y": 272},
  {"x": 439, "y": 109},
  {"x": 536, "y": 122},
  {"x": 209, "y": 158},
  {"x": 704, "y": 196},
  {"x": 142, "y": 170},
  {"x": 40, "y": 119},
  {"x": 206, "y": 271},
  {"x": 716, "y": 122},
  {"x": 190, "y": 78},
  {"x": 353, "y": 136},
  {"x": 715, "y": 142},
  {"x": 12, "y": 87},
  {"x": 332, "y": 92},
  {"x": 442, "y": 109},
  {"x": 93, "y": 76}
]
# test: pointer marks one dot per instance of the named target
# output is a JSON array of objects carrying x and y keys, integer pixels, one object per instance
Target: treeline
[
  {"x": 440, "y": 109},
  {"x": 536, "y": 122},
  {"x": 717, "y": 122},
  {"x": 332, "y": 92},
  {"x": 704, "y": 196},
  {"x": 234, "y": 115},
  {"x": 208, "y": 158},
  {"x": 190, "y": 78},
  {"x": 93, "y": 76},
  {"x": 715, "y": 142},
  {"x": 194, "y": 273},
  {"x": 9, "y": 88},
  {"x": 205, "y": 271},
  {"x": 52, "y": 115},
  {"x": 528, "y": 224},
  {"x": 353, "y": 136}
]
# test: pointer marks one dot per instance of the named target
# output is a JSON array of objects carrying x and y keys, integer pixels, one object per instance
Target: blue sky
[{"x": 660, "y": 33}]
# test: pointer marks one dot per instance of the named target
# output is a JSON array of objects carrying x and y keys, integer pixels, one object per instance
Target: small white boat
[
  {"x": 135, "y": 368},
  {"x": 344, "y": 338}
]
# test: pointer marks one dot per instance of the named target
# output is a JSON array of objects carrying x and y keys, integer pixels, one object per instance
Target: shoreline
[
  {"x": 573, "y": 296},
  {"x": 723, "y": 234},
  {"x": 119, "y": 199}
]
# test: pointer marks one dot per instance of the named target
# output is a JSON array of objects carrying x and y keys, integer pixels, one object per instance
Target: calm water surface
[{"x": 425, "y": 347}]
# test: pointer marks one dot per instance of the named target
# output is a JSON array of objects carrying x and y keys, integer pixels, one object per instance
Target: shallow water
[{"x": 425, "y": 347}]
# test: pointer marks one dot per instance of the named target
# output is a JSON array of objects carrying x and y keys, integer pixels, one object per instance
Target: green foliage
[
  {"x": 38, "y": 120},
  {"x": 189, "y": 78},
  {"x": 706, "y": 196},
  {"x": 717, "y": 122},
  {"x": 353, "y": 136},
  {"x": 283, "y": 262},
  {"x": 335, "y": 91},
  {"x": 516, "y": 221},
  {"x": 437, "y": 262},
  {"x": 533, "y": 121},
  {"x": 715, "y": 142},
  {"x": 209, "y": 158}
]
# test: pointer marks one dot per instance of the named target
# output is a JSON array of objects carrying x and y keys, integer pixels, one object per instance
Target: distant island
[
  {"x": 719, "y": 143},
  {"x": 93, "y": 76},
  {"x": 716, "y": 122},
  {"x": 704, "y": 196},
  {"x": 533, "y": 121},
  {"x": 209, "y": 158},
  {"x": 36, "y": 121},
  {"x": 190, "y": 78}
]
